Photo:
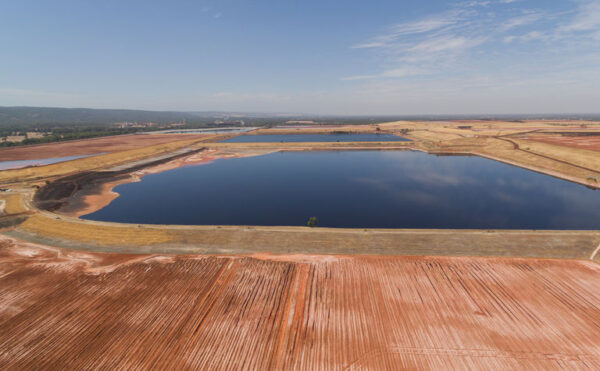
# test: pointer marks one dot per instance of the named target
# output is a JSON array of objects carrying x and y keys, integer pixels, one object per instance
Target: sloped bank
[{"x": 71, "y": 190}]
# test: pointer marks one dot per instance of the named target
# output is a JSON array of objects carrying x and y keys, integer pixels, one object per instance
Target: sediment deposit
[{"x": 67, "y": 309}]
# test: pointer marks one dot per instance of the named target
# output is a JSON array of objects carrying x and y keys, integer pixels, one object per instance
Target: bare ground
[
  {"x": 583, "y": 142},
  {"x": 66, "y": 309},
  {"x": 91, "y": 146}
]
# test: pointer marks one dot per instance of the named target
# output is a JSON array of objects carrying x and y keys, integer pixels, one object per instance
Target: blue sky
[{"x": 311, "y": 56}]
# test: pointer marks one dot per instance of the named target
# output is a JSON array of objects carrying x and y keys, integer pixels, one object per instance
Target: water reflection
[{"x": 378, "y": 189}]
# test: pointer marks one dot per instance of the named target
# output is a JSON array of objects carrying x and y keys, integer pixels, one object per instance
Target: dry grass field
[
  {"x": 14, "y": 203},
  {"x": 67, "y": 309},
  {"x": 32, "y": 174},
  {"x": 133, "y": 238},
  {"x": 92, "y": 146}
]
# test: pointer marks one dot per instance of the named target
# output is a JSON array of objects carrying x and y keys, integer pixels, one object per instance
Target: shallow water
[
  {"x": 374, "y": 189},
  {"x": 316, "y": 138},
  {"x": 5, "y": 165}
]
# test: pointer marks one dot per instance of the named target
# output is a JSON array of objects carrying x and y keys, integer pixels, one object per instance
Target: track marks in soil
[{"x": 65, "y": 309}]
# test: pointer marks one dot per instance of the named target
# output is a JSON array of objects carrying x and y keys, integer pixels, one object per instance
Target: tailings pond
[
  {"x": 361, "y": 189},
  {"x": 7, "y": 165}
]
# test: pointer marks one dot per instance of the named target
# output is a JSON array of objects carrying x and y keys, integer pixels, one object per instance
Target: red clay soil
[
  {"x": 91, "y": 146},
  {"x": 584, "y": 142},
  {"x": 63, "y": 309}
]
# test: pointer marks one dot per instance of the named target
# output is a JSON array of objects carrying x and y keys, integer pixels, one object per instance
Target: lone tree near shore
[{"x": 312, "y": 221}]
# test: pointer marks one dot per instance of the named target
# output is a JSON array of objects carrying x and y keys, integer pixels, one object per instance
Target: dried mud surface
[
  {"x": 68, "y": 309},
  {"x": 591, "y": 142}
]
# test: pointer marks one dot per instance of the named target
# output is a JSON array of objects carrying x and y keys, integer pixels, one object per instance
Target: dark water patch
[{"x": 361, "y": 189}]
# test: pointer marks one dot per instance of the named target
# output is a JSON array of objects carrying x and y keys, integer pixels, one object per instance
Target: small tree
[{"x": 312, "y": 221}]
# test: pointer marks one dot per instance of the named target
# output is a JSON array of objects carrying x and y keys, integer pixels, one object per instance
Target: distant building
[
  {"x": 300, "y": 122},
  {"x": 176, "y": 124},
  {"x": 15, "y": 138},
  {"x": 126, "y": 125}
]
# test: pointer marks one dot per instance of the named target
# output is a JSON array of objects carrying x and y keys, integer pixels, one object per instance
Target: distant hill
[{"x": 25, "y": 116}]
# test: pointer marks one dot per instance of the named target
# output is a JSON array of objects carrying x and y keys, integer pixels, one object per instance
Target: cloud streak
[
  {"x": 520, "y": 21},
  {"x": 397, "y": 32},
  {"x": 586, "y": 19},
  {"x": 470, "y": 35}
]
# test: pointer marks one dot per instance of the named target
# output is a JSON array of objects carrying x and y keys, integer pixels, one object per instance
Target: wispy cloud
[
  {"x": 470, "y": 33},
  {"x": 393, "y": 73},
  {"x": 397, "y": 32},
  {"x": 426, "y": 25},
  {"x": 416, "y": 47},
  {"x": 586, "y": 19},
  {"x": 522, "y": 20},
  {"x": 530, "y": 36},
  {"x": 446, "y": 43},
  {"x": 215, "y": 13},
  {"x": 358, "y": 77},
  {"x": 484, "y": 3}
]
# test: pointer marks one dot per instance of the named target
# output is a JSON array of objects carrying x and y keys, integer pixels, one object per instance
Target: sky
[{"x": 310, "y": 56}]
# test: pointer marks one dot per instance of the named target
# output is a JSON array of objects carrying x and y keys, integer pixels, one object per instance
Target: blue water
[
  {"x": 316, "y": 138},
  {"x": 5, "y": 165},
  {"x": 375, "y": 189}
]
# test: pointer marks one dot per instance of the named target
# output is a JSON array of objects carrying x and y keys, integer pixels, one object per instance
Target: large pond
[
  {"x": 375, "y": 189},
  {"x": 316, "y": 138}
]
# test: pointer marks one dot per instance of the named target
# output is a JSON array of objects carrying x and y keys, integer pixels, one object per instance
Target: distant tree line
[{"x": 69, "y": 135}]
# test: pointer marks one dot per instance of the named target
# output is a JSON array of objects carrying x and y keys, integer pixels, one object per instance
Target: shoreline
[
  {"x": 88, "y": 201},
  {"x": 98, "y": 196}
]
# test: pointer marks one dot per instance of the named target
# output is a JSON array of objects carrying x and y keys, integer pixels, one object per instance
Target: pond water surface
[
  {"x": 374, "y": 189},
  {"x": 5, "y": 165}
]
